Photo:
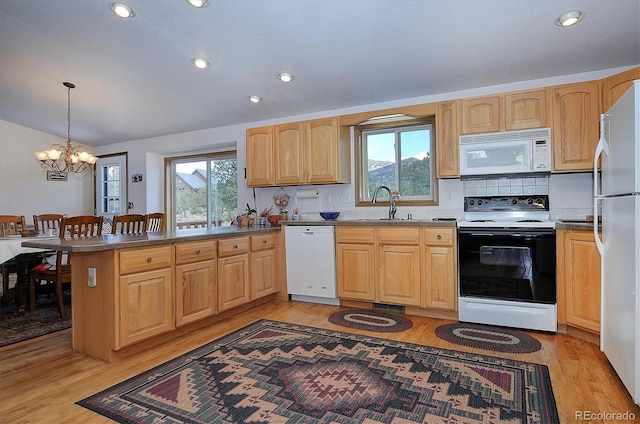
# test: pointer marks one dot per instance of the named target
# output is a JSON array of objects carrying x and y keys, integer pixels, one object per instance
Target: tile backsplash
[{"x": 506, "y": 186}]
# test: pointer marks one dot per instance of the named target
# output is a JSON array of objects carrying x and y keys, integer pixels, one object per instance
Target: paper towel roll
[{"x": 307, "y": 194}]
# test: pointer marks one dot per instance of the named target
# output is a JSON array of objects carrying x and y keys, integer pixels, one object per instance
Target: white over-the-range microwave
[{"x": 506, "y": 153}]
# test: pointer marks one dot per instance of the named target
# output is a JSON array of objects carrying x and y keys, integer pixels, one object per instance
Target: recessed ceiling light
[
  {"x": 255, "y": 99},
  {"x": 285, "y": 77},
  {"x": 198, "y": 3},
  {"x": 122, "y": 10},
  {"x": 569, "y": 18},
  {"x": 200, "y": 63}
]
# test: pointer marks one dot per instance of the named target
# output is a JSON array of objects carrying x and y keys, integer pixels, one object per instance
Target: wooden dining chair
[
  {"x": 10, "y": 225},
  {"x": 155, "y": 222},
  {"x": 48, "y": 221},
  {"x": 60, "y": 274},
  {"x": 128, "y": 224}
]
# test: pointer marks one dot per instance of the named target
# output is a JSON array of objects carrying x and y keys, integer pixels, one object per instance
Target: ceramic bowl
[{"x": 329, "y": 216}]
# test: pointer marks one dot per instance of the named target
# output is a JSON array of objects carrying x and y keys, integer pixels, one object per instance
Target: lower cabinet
[
  {"x": 196, "y": 290},
  {"x": 233, "y": 272},
  {"x": 413, "y": 266},
  {"x": 263, "y": 266},
  {"x": 145, "y": 294},
  {"x": 578, "y": 280}
]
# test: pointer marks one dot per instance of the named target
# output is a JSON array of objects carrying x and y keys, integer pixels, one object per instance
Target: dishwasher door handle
[{"x": 309, "y": 233}]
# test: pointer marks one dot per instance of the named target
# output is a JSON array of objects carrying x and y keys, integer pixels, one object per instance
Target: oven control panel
[{"x": 506, "y": 203}]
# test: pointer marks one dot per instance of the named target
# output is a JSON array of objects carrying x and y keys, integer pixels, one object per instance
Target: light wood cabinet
[
  {"x": 355, "y": 263},
  {"x": 307, "y": 152},
  {"x": 576, "y": 125},
  {"x": 260, "y": 151},
  {"x": 440, "y": 268},
  {"x": 615, "y": 86},
  {"x": 196, "y": 291},
  {"x": 518, "y": 110},
  {"x": 233, "y": 272},
  {"x": 262, "y": 266},
  {"x": 578, "y": 280},
  {"x": 481, "y": 114},
  {"x": 448, "y": 140},
  {"x": 289, "y": 154},
  {"x": 145, "y": 294},
  {"x": 398, "y": 258}
]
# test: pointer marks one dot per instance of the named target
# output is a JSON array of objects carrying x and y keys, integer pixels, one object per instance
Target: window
[
  {"x": 204, "y": 190},
  {"x": 399, "y": 157}
]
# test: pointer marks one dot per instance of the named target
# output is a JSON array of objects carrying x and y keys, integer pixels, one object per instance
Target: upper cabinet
[
  {"x": 575, "y": 128},
  {"x": 309, "y": 152},
  {"x": 509, "y": 112},
  {"x": 447, "y": 140},
  {"x": 615, "y": 86}
]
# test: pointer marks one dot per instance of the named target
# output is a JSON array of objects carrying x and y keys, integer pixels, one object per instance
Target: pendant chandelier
[{"x": 67, "y": 157}]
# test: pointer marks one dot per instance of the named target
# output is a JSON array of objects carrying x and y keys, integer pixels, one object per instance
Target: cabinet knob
[
  {"x": 198, "y": 252},
  {"x": 149, "y": 259},
  {"x": 439, "y": 237},
  {"x": 235, "y": 247},
  {"x": 264, "y": 241}
]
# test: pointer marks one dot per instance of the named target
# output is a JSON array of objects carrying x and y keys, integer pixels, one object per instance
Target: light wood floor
[{"x": 41, "y": 379}]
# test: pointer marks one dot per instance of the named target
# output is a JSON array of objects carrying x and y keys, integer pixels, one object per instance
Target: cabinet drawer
[
  {"x": 233, "y": 246},
  {"x": 397, "y": 235},
  {"x": 354, "y": 235},
  {"x": 195, "y": 251},
  {"x": 439, "y": 236},
  {"x": 263, "y": 242},
  {"x": 147, "y": 259}
]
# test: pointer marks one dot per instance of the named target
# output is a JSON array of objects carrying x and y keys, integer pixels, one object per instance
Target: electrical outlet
[
  {"x": 326, "y": 199},
  {"x": 449, "y": 196},
  {"x": 91, "y": 281},
  {"x": 343, "y": 199}
]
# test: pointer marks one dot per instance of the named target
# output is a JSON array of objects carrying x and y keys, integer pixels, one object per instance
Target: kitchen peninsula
[{"x": 133, "y": 292}]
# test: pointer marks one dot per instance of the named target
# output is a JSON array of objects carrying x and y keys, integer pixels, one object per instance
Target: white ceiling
[{"x": 135, "y": 79}]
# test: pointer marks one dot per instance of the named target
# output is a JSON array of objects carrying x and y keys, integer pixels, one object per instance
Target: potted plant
[{"x": 248, "y": 217}]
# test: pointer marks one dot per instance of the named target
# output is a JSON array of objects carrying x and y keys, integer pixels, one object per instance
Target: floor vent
[{"x": 390, "y": 308}]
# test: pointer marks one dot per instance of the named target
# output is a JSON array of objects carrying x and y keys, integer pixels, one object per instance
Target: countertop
[
  {"x": 111, "y": 242},
  {"x": 378, "y": 222}
]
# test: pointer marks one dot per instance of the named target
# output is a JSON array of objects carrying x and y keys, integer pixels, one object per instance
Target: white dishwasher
[{"x": 311, "y": 263}]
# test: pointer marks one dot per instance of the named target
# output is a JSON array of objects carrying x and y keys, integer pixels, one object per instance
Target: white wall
[
  {"x": 570, "y": 194},
  {"x": 24, "y": 189}
]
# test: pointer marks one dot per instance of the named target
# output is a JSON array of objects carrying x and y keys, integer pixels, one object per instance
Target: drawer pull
[
  {"x": 198, "y": 252},
  {"x": 149, "y": 259},
  {"x": 439, "y": 237},
  {"x": 264, "y": 241},
  {"x": 235, "y": 247}
]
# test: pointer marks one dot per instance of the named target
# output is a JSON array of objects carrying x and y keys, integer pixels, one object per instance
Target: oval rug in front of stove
[
  {"x": 371, "y": 320},
  {"x": 488, "y": 337}
]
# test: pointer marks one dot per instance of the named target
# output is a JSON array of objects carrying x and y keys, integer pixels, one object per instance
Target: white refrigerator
[{"x": 617, "y": 198}]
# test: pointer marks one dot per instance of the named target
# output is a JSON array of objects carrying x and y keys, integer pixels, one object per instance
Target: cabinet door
[
  {"x": 195, "y": 291},
  {"x": 327, "y": 152},
  {"x": 355, "y": 271},
  {"x": 582, "y": 280},
  {"x": 482, "y": 114},
  {"x": 616, "y": 85},
  {"x": 448, "y": 140},
  {"x": 233, "y": 281},
  {"x": 399, "y": 279},
  {"x": 260, "y": 164},
  {"x": 289, "y": 151},
  {"x": 576, "y": 122},
  {"x": 525, "y": 110},
  {"x": 146, "y": 305},
  {"x": 440, "y": 282},
  {"x": 262, "y": 271}
]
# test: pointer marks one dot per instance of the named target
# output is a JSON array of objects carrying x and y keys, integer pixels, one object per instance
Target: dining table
[{"x": 25, "y": 258}]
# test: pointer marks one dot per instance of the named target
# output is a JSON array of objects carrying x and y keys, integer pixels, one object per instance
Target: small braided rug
[
  {"x": 371, "y": 321},
  {"x": 488, "y": 337}
]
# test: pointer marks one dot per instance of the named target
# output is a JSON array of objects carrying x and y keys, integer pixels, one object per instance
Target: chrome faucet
[{"x": 393, "y": 198}]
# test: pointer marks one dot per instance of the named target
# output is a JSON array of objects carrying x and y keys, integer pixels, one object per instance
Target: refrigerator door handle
[{"x": 602, "y": 147}]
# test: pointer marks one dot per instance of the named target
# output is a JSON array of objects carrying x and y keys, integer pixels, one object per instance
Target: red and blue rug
[
  {"x": 488, "y": 337},
  {"x": 370, "y": 320},
  {"x": 274, "y": 372}
]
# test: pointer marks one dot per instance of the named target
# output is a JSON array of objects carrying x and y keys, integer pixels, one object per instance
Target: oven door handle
[{"x": 514, "y": 235}]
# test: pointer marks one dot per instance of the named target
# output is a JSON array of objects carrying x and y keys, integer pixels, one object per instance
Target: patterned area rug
[
  {"x": 488, "y": 337},
  {"x": 45, "y": 319},
  {"x": 273, "y": 372},
  {"x": 371, "y": 320}
]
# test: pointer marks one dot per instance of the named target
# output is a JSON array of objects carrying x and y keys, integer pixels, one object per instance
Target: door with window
[{"x": 111, "y": 188}]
